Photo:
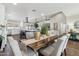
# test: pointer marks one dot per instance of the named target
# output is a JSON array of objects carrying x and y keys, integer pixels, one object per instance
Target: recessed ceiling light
[
  {"x": 14, "y": 3},
  {"x": 42, "y": 14}
]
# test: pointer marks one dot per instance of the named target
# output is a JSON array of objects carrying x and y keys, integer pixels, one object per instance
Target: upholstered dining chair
[
  {"x": 13, "y": 49},
  {"x": 54, "y": 49},
  {"x": 65, "y": 40}
]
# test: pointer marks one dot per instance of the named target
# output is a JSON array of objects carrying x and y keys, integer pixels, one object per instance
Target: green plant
[
  {"x": 36, "y": 25},
  {"x": 1, "y": 38},
  {"x": 44, "y": 30}
]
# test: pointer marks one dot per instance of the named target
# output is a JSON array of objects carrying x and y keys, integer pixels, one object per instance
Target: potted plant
[
  {"x": 1, "y": 38},
  {"x": 44, "y": 30}
]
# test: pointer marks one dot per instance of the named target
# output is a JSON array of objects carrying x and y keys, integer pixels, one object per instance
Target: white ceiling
[{"x": 21, "y": 10}]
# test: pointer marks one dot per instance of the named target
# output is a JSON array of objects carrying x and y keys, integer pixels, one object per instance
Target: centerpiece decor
[{"x": 44, "y": 30}]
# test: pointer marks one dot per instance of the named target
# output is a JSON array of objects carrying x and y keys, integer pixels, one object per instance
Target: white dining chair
[
  {"x": 14, "y": 46},
  {"x": 58, "y": 48},
  {"x": 16, "y": 51},
  {"x": 54, "y": 49},
  {"x": 65, "y": 41}
]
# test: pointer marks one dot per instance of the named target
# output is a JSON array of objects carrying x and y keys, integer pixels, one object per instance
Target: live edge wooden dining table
[{"x": 37, "y": 44}]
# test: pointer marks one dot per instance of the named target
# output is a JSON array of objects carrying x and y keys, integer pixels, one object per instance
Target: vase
[{"x": 37, "y": 35}]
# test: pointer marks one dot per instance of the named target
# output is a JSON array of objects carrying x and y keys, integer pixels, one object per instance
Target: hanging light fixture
[
  {"x": 33, "y": 10},
  {"x": 26, "y": 19}
]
